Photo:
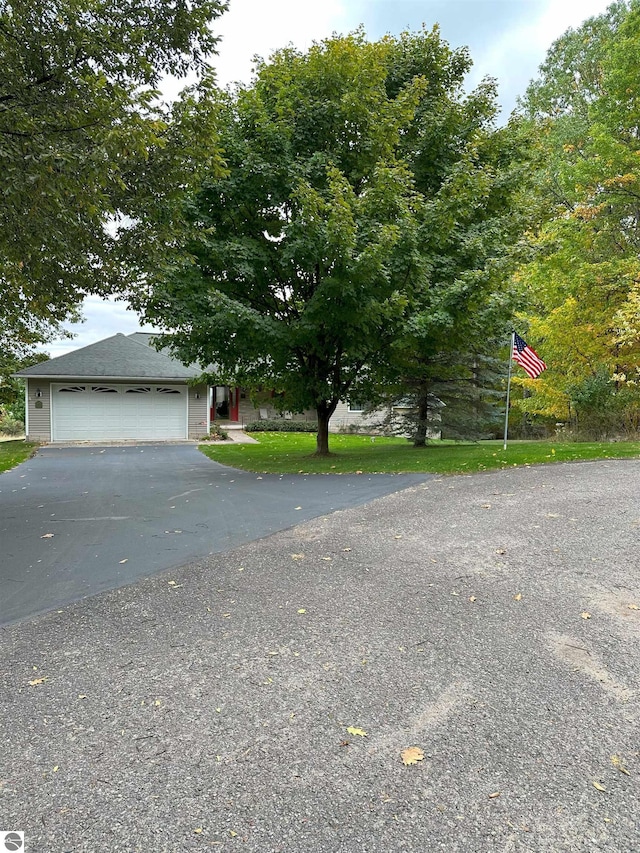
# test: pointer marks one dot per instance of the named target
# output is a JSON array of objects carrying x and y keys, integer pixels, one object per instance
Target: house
[{"x": 123, "y": 388}]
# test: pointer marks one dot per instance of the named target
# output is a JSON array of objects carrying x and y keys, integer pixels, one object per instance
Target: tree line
[{"x": 350, "y": 224}]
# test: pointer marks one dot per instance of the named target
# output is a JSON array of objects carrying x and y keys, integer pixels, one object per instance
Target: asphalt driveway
[
  {"x": 492, "y": 621},
  {"x": 78, "y": 520}
]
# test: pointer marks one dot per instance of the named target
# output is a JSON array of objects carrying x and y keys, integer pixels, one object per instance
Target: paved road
[
  {"x": 112, "y": 515},
  {"x": 208, "y": 708}
]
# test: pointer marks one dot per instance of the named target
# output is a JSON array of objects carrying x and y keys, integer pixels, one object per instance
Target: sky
[{"x": 507, "y": 39}]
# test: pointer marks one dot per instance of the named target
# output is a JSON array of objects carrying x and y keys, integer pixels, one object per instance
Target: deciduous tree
[{"x": 80, "y": 133}]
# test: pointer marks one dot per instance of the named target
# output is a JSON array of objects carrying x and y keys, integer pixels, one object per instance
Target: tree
[
  {"x": 12, "y": 402},
  {"x": 473, "y": 179},
  {"x": 80, "y": 129},
  {"x": 583, "y": 276},
  {"x": 299, "y": 262},
  {"x": 460, "y": 317}
]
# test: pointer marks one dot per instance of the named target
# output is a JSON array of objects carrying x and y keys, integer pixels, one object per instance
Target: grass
[
  {"x": 291, "y": 453},
  {"x": 14, "y": 452}
]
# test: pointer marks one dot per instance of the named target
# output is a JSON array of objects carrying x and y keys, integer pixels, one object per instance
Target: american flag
[{"x": 526, "y": 357}]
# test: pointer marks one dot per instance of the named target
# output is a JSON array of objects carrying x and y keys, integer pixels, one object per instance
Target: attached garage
[
  {"x": 97, "y": 412},
  {"x": 117, "y": 389}
]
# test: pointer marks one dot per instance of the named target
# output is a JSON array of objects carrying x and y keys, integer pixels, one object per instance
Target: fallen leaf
[
  {"x": 55, "y": 769},
  {"x": 344, "y": 743},
  {"x": 126, "y": 560},
  {"x": 172, "y": 583},
  {"x": 598, "y": 786},
  {"x": 302, "y": 610},
  {"x": 298, "y": 507},
  {"x": 36, "y": 681},
  {"x": 517, "y": 597},
  {"x": 297, "y": 556},
  {"x": 326, "y": 558},
  {"x": 354, "y": 730},
  {"x": 47, "y": 535},
  {"x": 348, "y": 549},
  {"x": 398, "y": 537},
  {"x": 617, "y": 763},
  {"x": 232, "y": 833},
  {"x": 633, "y": 607},
  {"x": 500, "y": 551},
  {"x": 472, "y": 598},
  {"x": 585, "y": 614},
  {"x": 82, "y": 696},
  {"x": 411, "y": 755},
  {"x": 198, "y": 830},
  {"x": 494, "y": 795},
  {"x": 486, "y": 506}
]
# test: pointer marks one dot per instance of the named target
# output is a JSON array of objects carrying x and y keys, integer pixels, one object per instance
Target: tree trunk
[
  {"x": 420, "y": 438},
  {"x": 324, "y": 411}
]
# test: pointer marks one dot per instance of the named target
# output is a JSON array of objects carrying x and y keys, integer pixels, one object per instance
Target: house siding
[
  {"x": 197, "y": 424},
  {"x": 247, "y": 413},
  {"x": 342, "y": 419},
  {"x": 39, "y": 418}
]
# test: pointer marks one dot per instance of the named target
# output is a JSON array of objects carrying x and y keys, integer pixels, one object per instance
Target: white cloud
[
  {"x": 259, "y": 27},
  {"x": 514, "y": 56}
]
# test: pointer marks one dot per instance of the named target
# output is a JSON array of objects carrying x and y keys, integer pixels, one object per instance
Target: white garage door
[{"x": 94, "y": 412}]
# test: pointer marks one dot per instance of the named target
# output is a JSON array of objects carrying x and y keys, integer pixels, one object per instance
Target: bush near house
[
  {"x": 10, "y": 425},
  {"x": 281, "y": 425}
]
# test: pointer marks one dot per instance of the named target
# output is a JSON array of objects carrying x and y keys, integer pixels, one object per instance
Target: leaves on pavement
[
  {"x": 617, "y": 763},
  {"x": 354, "y": 730},
  {"x": 585, "y": 614},
  {"x": 36, "y": 681},
  {"x": 411, "y": 755}
]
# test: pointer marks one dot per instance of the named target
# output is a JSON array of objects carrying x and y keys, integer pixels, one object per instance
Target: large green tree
[
  {"x": 476, "y": 210},
  {"x": 364, "y": 202},
  {"x": 84, "y": 143},
  {"x": 300, "y": 260},
  {"x": 583, "y": 275}
]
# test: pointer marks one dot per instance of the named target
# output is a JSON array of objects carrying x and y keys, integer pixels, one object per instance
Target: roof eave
[{"x": 74, "y": 376}]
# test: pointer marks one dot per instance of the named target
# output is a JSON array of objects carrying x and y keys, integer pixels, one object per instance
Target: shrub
[
  {"x": 216, "y": 433},
  {"x": 281, "y": 425},
  {"x": 11, "y": 426}
]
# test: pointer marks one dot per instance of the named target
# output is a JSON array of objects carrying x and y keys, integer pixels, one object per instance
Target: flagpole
[{"x": 506, "y": 414}]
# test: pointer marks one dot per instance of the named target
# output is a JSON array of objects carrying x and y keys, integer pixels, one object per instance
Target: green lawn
[
  {"x": 14, "y": 452},
  {"x": 287, "y": 453}
]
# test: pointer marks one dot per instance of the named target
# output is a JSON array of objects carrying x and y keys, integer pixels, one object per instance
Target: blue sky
[{"x": 507, "y": 39}]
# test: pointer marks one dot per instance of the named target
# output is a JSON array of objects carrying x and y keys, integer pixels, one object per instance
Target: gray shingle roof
[{"x": 117, "y": 357}]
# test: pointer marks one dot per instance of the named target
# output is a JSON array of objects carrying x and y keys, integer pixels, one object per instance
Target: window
[
  {"x": 71, "y": 389},
  {"x": 142, "y": 390},
  {"x": 104, "y": 389},
  {"x": 356, "y": 405},
  {"x": 167, "y": 391}
]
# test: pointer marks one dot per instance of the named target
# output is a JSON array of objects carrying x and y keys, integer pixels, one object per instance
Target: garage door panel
[{"x": 108, "y": 412}]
